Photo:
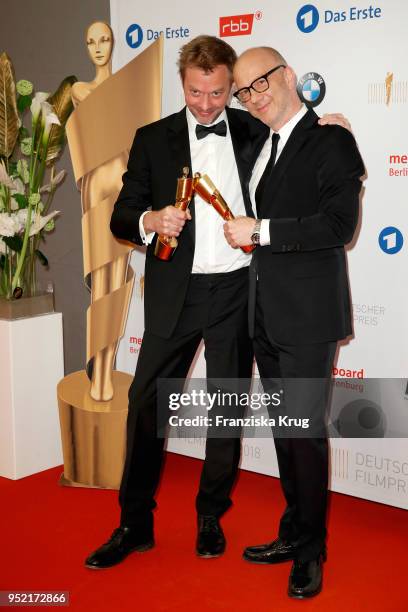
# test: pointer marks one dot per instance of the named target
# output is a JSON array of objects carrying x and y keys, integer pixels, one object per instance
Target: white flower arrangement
[{"x": 27, "y": 172}]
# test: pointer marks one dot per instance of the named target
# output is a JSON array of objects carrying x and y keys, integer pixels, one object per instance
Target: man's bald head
[
  {"x": 253, "y": 55},
  {"x": 276, "y": 104}
]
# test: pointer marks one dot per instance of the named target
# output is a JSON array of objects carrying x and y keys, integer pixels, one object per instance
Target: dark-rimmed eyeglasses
[{"x": 260, "y": 85}]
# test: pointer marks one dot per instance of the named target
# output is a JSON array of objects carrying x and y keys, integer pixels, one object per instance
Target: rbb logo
[
  {"x": 390, "y": 240},
  {"x": 236, "y": 25},
  {"x": 134, "y": 36},
  {"x": 307, "y": 18}
]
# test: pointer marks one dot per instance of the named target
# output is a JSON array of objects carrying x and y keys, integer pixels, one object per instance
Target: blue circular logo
[
  {"x": 307, "y": 18},
  {"x": 311, "y": 89},
  {"x": 390, "y": 240},
  {"x": 134, "y": 36}
]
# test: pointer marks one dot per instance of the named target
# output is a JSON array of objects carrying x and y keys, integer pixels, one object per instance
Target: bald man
[{"x": 304, "y": 191}]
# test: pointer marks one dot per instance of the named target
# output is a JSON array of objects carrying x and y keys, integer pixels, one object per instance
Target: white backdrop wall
[{"x": 360, "y": 50}]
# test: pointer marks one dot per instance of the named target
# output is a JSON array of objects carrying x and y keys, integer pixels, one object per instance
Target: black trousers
[
  {"x": 215, "y": 310},
  {"x": 302, "y": 461}
]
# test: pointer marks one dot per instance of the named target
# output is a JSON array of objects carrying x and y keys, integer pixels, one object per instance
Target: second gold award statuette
[
  {"x": 166, "y": 245},
  {"x": 205, "y": 188}
]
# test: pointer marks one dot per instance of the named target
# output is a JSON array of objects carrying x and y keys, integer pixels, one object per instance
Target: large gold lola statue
[
  {"x": 100, "y": 131},
  {"x": 97, "y": 186}
]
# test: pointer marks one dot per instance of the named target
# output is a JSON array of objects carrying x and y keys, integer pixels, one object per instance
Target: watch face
[{"x": 256, "y": 236}]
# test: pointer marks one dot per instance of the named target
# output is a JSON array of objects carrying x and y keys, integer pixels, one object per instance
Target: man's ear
[{"x": 290, "y": 77}]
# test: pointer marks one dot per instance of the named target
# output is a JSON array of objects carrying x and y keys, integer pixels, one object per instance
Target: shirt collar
[{"x": 286, "y": 129}]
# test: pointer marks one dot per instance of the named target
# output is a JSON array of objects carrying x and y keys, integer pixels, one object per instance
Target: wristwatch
[{"x": 256, "y": 234}]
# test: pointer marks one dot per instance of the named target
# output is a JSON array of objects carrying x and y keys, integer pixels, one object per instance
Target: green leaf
[
  {"x": 13, "y": 168},
  {"x": 24, "y": 132},
  {"x": 23, "y": 102},
  {"x": 42, "y": 258},
  {"x": 21, "y": 200},
  {"x": 15, "y": 243}
]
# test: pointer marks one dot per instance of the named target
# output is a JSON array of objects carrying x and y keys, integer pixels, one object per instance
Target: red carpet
[{"x": 48, "y": 530}]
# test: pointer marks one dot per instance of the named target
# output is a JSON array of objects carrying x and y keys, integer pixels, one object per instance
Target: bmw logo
[{"x": 311, "y": 89}]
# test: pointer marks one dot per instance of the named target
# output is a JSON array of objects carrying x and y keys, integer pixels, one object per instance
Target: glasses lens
[
  {"x": 244, "y": 95},
  {"x": 260, "y": 85}
]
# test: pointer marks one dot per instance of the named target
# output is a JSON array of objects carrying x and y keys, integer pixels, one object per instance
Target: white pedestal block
[{"x": 31, "y": 365}]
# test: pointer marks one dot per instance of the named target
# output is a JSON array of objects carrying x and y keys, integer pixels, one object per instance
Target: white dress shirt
[
  {"x": 214, "y": 156},
  {"x": 261, "y": 162}
]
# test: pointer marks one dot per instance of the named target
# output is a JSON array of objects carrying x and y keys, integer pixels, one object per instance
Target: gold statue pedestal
[{"x": 93, "y": 433}]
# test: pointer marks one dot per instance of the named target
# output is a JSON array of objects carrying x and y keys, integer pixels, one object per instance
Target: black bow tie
[{"x": 219, "y": 128}]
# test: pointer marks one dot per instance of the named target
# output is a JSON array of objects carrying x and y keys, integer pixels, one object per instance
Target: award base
[
  {"x": 93, "y": 433},
  {"x": 165, "y": 247}
]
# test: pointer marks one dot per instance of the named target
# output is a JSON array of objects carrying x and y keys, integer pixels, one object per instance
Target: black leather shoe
[
  {"x": 305, "y": 579},
  {"x": 277, "y": 551},
  {"x": 122, "y": 542},
  {"x": 210, "y": 537}
]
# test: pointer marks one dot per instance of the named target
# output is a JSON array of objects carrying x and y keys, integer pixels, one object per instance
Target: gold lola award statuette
[
  {"x": 166, "y": 245},
  {"x": 205, "y": 188},
  {"x": 93, "y": 403}
]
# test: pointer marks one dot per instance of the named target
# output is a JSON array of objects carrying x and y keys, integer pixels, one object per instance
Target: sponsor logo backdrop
[{"x": 359, "y": 50}]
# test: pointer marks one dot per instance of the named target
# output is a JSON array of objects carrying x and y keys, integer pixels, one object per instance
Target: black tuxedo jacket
[
  {"x": 312, "y": 201},
  {"x": 159, "y": 152}
]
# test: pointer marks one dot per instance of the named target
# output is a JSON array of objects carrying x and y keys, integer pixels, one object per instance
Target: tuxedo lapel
[
  {"x": 296, "y": 140},
  {"x": 241, "y": 143},
  {"x": 243, "y": 151},
  {"x": 179, "y": 145}
]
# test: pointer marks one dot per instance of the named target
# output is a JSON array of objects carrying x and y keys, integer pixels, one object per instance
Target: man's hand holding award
[
  {"x": 205, "y": 188},
  {"x": 166, "y": 245},
  {"x": 186, "y": 187}
]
